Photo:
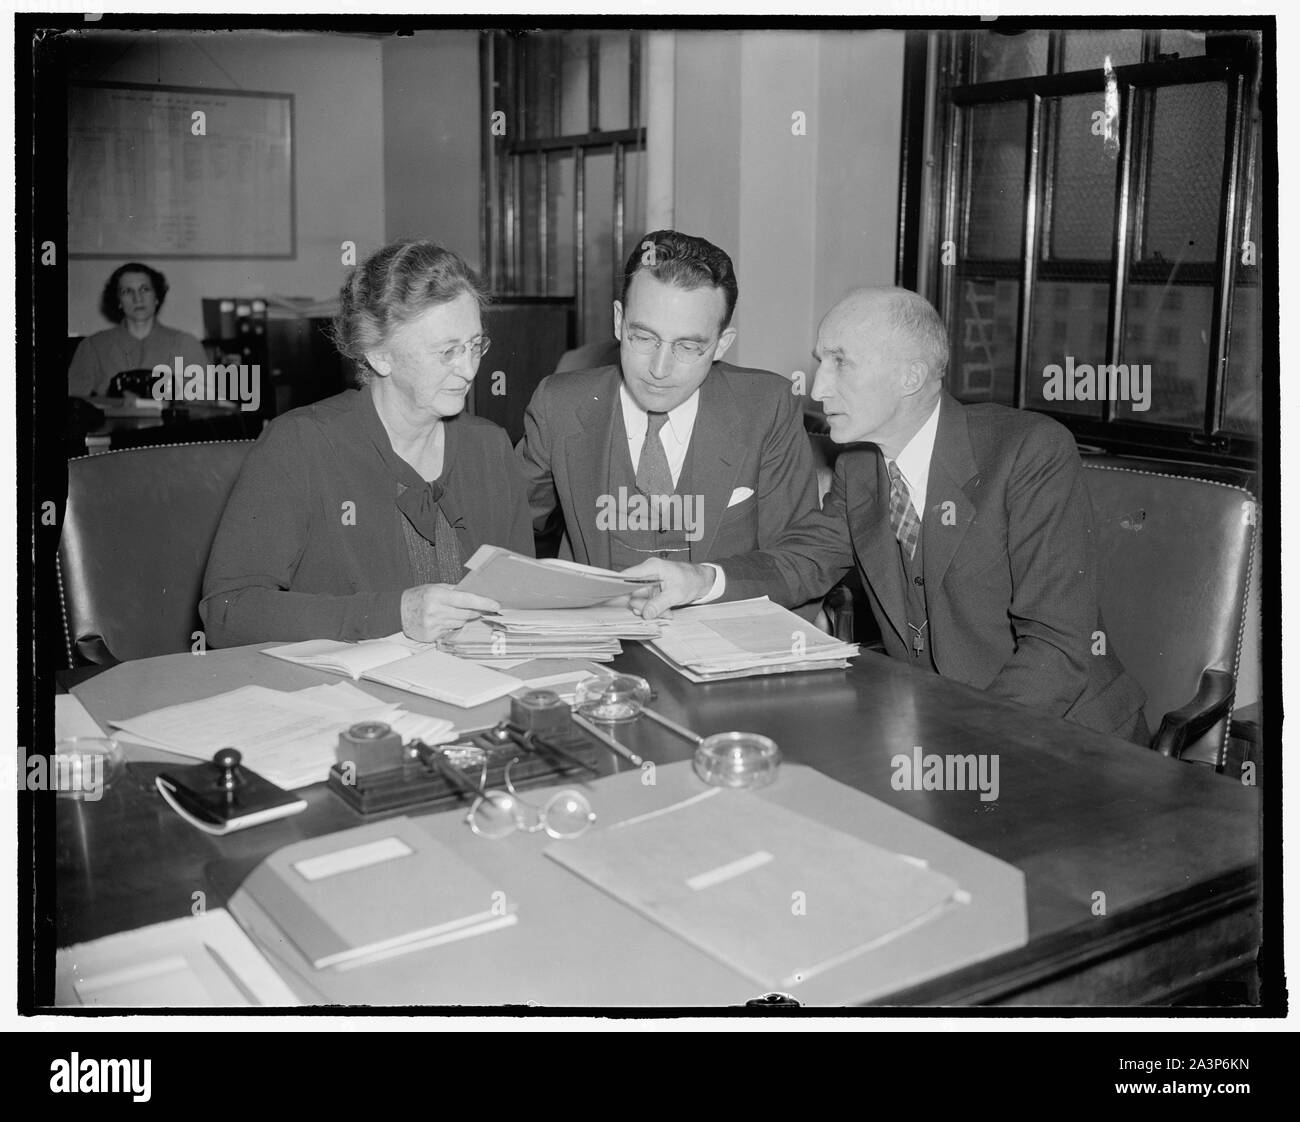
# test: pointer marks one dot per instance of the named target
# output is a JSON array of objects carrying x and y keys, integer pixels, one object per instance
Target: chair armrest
[
  {"x": 92, "y": 649},
  {"x": 1183, "y": 726}
]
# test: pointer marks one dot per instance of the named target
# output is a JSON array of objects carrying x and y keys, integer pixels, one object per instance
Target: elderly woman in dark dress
[{"x": 352, "y": 517}]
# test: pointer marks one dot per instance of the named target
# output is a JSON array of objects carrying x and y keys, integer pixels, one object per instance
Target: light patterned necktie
[{"x": 902, "y": 515}]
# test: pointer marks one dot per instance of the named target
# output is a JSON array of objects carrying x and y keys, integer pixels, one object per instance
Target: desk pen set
[{"x": 377, "y": 773}]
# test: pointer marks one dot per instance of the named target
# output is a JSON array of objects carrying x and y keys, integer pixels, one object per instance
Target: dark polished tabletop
[{"x": 1142, "y": 873}]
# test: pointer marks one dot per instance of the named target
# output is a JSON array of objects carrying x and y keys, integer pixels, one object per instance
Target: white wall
[
  {"x": 804, "y": 217},
  {"x": 432, "y": 135},
  {"x": 338, "y": 138}
]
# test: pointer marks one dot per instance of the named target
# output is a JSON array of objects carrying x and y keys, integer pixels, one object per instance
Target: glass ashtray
[
  {"x": 737, "y": 759},
  {"x": 620, "y": 698},
  {"x": 84, "y": 767}
]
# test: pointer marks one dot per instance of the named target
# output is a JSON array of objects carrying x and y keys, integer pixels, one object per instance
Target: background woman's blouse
[
  {"x": 313, "y": 544},
  {"x": 100, "y": 356}
]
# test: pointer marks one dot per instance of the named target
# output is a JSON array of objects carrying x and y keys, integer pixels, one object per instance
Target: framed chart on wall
[{"x": 170, "y": 171}]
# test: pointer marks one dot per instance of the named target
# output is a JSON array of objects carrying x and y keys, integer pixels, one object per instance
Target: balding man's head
[
  {"x": 903, "y": 321},
  {"x": 882, "y": 355}
]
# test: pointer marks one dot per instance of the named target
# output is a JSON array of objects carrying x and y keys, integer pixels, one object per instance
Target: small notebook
[
  {"x": 360, "y": 895},
  {"x": 195, "y": 794},
  {"x": 417, "y": 668}
]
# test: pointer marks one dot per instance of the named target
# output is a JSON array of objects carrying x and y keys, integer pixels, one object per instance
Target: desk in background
[
  {"x": 126, "y": 426},
  {"x": 1173, "y": 847}
]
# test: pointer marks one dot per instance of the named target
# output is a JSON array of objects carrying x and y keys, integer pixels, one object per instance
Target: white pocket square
[{"x": 739, "y": 495}]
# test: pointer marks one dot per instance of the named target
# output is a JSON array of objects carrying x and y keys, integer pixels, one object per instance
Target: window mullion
[
  {"x": 1131, "y": 152},
  {"x": 1225, "y": 279},
  {"x": 1029, "y": 245}
]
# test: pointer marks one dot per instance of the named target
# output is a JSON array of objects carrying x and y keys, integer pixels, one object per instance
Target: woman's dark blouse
[{"x": 311, "y": 545}]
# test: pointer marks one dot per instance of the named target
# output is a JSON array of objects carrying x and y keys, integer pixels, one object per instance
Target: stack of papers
[
  {"x": 287, "y": 737},
  {"x": 510, "y": 637},
  {"x": 495, "y": 647},
  {"x": 518, "y": 582},
  {"x": 745, "y": 639}
]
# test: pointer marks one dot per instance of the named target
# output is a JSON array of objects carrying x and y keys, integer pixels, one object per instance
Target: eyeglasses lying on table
[{"x": 497, "y": 813}]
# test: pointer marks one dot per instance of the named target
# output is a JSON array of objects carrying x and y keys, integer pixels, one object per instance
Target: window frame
[
  {"x": 506, "y": 64},
  {"x": 933, "y": 211}
]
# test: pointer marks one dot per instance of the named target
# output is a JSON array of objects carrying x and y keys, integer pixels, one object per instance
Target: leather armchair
[
  {"x": 1174, "y": 552},
  {"x": 136, "y": 535}
]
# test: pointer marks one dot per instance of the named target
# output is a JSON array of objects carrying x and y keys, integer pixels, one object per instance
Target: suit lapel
[
  {"x": 953, "y": 475},
  {"x": 715, "y": 443},
  {"x": 587, "y": 454},
  {"x": 877, "y": 548}
]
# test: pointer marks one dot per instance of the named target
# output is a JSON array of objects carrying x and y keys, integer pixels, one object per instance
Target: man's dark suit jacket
[
  {"x": 1007, "y": 554},
  {"x": 748, "y": 434}
]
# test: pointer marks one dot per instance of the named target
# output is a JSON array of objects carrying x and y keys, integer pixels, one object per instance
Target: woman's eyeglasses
[
  {"x": 497, "y": 813},
  {"x": 477, "y": 348}
]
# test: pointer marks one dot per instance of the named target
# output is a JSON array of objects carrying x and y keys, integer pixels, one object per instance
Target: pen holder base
[{"x": 413, "y": 785}]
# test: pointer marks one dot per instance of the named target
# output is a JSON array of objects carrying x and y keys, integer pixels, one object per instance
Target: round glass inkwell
[
  {"x": 737, "y": 759},
  {"x": 621, "y": 698}
]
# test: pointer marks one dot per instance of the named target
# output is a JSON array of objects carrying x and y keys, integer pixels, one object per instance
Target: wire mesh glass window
[
  {"x": 563, "y": 171},
  {"x": 1095, "y": 240}
]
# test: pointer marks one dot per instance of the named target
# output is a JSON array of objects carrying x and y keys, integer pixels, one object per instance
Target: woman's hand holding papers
[
  {"x": 677, "y": 584},
  {"x": 430, "y": 611}
]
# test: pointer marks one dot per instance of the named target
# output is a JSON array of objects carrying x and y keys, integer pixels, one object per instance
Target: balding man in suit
[{"x": 970, "y": 524}]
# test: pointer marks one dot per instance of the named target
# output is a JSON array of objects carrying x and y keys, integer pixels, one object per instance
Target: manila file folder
[{"x": 765, "y": 890}]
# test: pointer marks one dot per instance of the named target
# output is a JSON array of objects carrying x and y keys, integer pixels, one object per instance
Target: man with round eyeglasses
[{"x": 671, "y": 452}]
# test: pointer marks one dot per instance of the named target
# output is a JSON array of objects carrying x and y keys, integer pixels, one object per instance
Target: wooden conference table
[{"x": 1174, "y": 847}]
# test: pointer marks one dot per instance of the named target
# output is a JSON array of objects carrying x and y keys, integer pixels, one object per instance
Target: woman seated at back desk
[
  {"x": 351, "y": 518},
  {"x": 131, "y": 299}
]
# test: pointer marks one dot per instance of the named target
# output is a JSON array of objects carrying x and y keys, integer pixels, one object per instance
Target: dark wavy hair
[
  {"x": 390, "y": 288},
  {"x": 110, "y": 306},
  {"x": 685, "y": 261}
]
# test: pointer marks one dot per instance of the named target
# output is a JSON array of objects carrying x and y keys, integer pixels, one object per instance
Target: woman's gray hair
[{"x": 392, "y": 287}]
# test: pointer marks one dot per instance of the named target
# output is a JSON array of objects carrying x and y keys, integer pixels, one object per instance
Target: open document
[
  {"x": 516, "y": 581},
  {"x": 744, "y": 639},
  {"x": 419, "y": 668},
  {"x": 287, "y": 737}
]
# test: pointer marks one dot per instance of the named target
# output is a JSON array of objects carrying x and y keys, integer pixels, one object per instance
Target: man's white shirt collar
[
  {"x": 914, "y": 461},
  {"x": 680, "y": 420}
]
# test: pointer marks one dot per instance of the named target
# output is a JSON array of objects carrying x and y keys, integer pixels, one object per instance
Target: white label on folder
[
  {"x": 729, "y": 870},
  {"x": 358, "y": 857}
]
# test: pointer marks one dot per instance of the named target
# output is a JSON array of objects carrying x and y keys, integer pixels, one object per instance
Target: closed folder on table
[
  {"x": 379, "y": 890},
  {"x": 765, "y": 890}
]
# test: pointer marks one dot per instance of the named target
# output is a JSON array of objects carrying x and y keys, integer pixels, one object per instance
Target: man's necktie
[
  {"x": 902, "y": 515},
  {"x": 653, "y": 476}
]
